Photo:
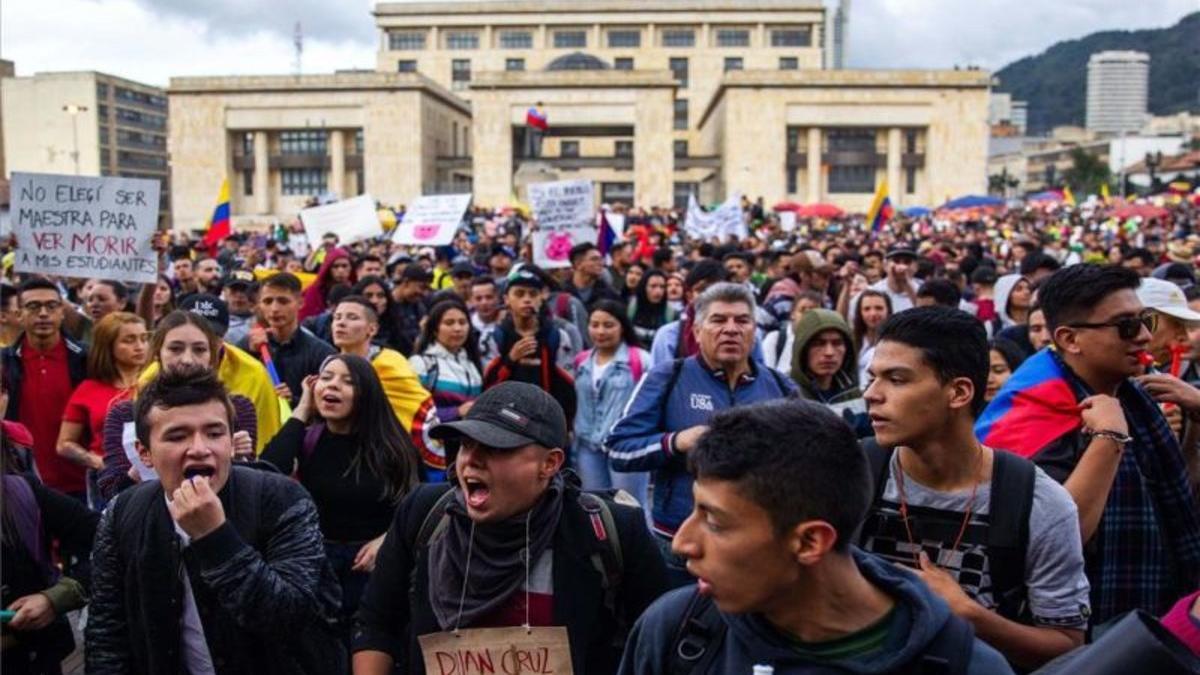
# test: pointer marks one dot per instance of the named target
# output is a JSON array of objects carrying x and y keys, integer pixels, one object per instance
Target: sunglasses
[{"x": 1129, "y": 327}]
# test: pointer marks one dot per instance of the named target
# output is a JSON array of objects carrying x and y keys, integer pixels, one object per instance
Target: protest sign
[
  {"x": 350, "y": 219},
  {"x": 432, "y": 220},
  {"x": 722, "y": 222},
  {"x": 507, "y": 651},
  {"x": 81, "y": 226},
  {"x": 565, "y": 212},
  {"x": 787, "y": 221}
]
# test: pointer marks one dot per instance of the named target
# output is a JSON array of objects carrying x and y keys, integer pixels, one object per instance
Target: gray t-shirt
[{"x": 1058, "y": 590}]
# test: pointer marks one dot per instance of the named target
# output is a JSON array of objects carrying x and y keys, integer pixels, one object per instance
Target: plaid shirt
[{"x": 1146, "y": 552}]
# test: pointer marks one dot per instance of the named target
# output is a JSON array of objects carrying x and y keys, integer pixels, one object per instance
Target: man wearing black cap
[
  {"x": 411, "y": 294},
  {"x": 455, "y": 556},
  {"x": 462, "y": 273},
  {"x": 901, "y": 287},
  {"x": 240, "y": 293}
]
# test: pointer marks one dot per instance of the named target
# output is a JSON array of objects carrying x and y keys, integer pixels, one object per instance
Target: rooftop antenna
[{"x": 298, "y": 42}]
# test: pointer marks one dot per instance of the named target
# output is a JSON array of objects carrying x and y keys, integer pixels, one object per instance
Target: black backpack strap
[
  {"x": 950, "y": 651},
  {"x": 698, "y": 638},
  {"x": 1013, "y": 479},
  {"x": 607, "y": 558},
  {"x": 676, "y": 370},
  {"x": 435, "y": 521},
  {"x": 879, "y": 459}
]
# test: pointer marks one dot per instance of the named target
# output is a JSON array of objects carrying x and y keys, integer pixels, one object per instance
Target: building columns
[
  {"x": 337, "y": 163},
  {"x": 813, "y": 194},
  {"x": 262, "y": 174},
  {"x": 896, "y": 190}
]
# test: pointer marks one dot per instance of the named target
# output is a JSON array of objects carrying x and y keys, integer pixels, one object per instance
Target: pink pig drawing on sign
[
  {"x": 426, "y": 232},
  {"x": 558, "y": 246}
]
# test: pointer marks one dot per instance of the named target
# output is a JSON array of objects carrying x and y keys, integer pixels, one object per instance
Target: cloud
[
  {"x": 333, "y": 20},
  {"x": 988, "y": 33}
]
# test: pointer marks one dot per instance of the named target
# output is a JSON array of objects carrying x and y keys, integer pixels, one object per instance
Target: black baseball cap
[
  {"x": 240, "y": 279},
  {"x": 462, "y": 269},
  {"x": 416, "y": 273},
  {"x": 510, "y": 415},
  {"x": 901, "y": 251},
  {"x": 210, "y": 308}
]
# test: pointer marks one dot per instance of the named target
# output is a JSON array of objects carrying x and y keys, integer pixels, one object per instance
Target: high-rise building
[
  {"x": 1117, "y": 90},
  {"x": 837, "y": 35},
  {"x": 85, "y": 123}
]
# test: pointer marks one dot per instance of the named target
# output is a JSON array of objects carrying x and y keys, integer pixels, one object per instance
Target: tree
[{"x": 1087, "y": 173}]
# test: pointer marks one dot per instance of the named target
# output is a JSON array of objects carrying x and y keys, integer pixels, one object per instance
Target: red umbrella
[
  {"x": 786, "y": 206},
  {"x": 1146, "y": 211},
  {"x": 820, "y": 211}
]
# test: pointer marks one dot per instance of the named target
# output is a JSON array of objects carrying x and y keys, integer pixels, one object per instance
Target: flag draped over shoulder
[
  {"x": 881, "y": 210},
  {"x": 1035, "y": 407},
  {"x": 218, "y": 226},
  {"x": 536, "y": 119}
]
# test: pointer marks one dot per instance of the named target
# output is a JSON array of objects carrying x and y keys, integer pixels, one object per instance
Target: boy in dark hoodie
[
  {"x": 825, "y": 365},
  {"x": 778, "y": 581}
]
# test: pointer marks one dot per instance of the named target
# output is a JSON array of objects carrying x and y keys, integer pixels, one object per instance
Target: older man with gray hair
[{"x": 671, "y": 407}]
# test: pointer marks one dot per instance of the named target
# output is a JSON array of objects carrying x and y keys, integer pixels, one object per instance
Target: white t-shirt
[{"x": 196, "y": 657}]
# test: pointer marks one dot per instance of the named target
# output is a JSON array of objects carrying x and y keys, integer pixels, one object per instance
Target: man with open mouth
[
  {"x": 455, "y": 556},
  {"x": 213, "y": 568}
]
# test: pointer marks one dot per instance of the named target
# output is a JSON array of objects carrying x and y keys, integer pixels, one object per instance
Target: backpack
[
  {"x": 701, "y": 632},
  {"x": 635, "y": 362},
  {"x": 606, "y": 556},
  {"x": 1007, "y": 538}
]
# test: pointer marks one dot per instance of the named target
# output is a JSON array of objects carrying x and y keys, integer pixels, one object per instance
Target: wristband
[{"x": 1120, "y": 439}]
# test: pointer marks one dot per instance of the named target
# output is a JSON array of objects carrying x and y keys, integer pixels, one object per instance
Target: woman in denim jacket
[{"x": 605, "y": 378}]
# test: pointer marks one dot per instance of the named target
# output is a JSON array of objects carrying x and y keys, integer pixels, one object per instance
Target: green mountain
[{"x": 1055, "y": 81}]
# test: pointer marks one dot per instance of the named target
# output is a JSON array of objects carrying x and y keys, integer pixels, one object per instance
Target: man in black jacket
[
  {"x": 593, "y": 565},
  {"x": 212, "y": 568}
]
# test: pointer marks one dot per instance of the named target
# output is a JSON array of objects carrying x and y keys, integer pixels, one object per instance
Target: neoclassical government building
[{"x": 650, "y": 99}]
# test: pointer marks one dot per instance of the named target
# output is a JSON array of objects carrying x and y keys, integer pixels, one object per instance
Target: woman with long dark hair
[
  {"x": 872, "y": 309},
  {"x": 447, "y": 359},
  {"x": 346, "y": 447},
  {"x": 649, "y": 309},
  {"x": 605, "y": 378},
  {"x": 377, "y": 290}
]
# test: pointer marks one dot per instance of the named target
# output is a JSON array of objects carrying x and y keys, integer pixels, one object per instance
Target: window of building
[
  {"x": 103, "y": 135},
  {"x": 623, "y": 149},
  {"x": 454, "y": 139},
  {"x": 569, "y": 149},
  {"x": 460, "y": 73},
  {"x": 303, "y": 181},
  {"x": 679, "y": 68},
  {"x": 616, "y": 192},
  {"x": 681, "y": 113},
  {"x": 516, "y": 39},
  {"x": 624, "y": 38},
  {"x": 514, "y": 65},
  {"x": 623, "y": 63},
  {"x": 462, "y": 40},
  {"x": 248, "y": 143},
  {"x": 136, "y": 118},
  {"x": 800, "y": 36},
  {"x": 733, "y": 63},
  {"x": 102, "y": 111},
  {"x": 307, "y": 142},
  {"x": 852, "y": 178},
  {"x": 358, "y": 141},
  {"x": 789, "y": 63},
  {"x": 140, "y": 160},
  {"x": 406, "y": 40},
  {"x": 733, "y": 37},
  {"x": 793, "y": 140},
  {"x": 679, "y": 37},
  {"x": 101, "y": 90},
  {"x": 910, "y": 173},
  {"x": 248, "y": 183},
  {"x": 406, "y": 66},
  {"x": 570, "y": 39},
  {"x": 139, "y": 97},
  {"x": 682, "y": 193},
  {"x": 681, "y": 149}
]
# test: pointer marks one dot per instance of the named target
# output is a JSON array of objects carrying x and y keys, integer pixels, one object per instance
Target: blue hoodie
[{"x": 750, "y": 640}]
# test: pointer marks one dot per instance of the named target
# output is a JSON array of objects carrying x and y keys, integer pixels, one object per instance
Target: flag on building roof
[
  {"x": 218, "y": 226},
  {"x": 881, "y": 209},
  {"x": 606, "y": 236}
]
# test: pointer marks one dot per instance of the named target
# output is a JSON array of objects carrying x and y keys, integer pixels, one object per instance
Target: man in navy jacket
[{"x": 671, "y": 407}]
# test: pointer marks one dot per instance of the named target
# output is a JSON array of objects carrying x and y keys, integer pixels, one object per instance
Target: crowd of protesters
[{"x": 967, "y": 442}]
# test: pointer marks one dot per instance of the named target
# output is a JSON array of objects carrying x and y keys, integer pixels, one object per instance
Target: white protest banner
[
  {"x": 350, "y": 219},
  {"x": 787, "y": 221},
  {"x": 699, "y": 224},
  {"x": 484, "y": 651},
  {"x": 565, "y": 212},
  {"x": 728, "y": 220},
  {"x": 80, "y": 226},
  {"x": 432, "y": 220}
]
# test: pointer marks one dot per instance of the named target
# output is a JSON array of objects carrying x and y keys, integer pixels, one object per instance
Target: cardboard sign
[
  {"x": 351, "y": 220},
  {"x": 80, "y": 226},
  {"x": 566, "y": 215},
  {"x": 498, "y": 651},
  {"x": 432, "y": 220}
]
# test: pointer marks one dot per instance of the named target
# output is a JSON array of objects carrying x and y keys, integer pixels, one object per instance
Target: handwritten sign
[
  {"x": 498, "y": 651},
  {"x": 81, "y": 226},
  {"x": 432, "y": 220},
  {"x": 725, "y": 221},
  {"x": 566, "y": 215},
  {"x": 351, "y": 220}
]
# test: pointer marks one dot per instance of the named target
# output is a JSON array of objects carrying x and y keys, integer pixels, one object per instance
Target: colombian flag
[
  {"x": 606, "y": 237},
  {"x": 218, "y": 226},
  {"x": 881, "y": 209},
  {"x": 1035, "y": 407}
]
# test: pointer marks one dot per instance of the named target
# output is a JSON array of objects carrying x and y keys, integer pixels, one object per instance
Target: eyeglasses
[
  {"x": 36, "y": 307},
  {"x": 1129, "y": 327}
]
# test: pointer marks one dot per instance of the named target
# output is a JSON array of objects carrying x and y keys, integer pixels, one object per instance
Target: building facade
[
  {"x": 87, "y": 124},
  {"x": 1118, "y": 85}
]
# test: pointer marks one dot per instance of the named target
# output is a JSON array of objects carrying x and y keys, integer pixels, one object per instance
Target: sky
[{"x": 153, "y": 40}]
